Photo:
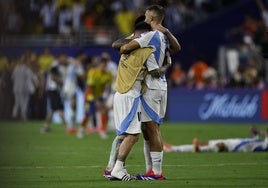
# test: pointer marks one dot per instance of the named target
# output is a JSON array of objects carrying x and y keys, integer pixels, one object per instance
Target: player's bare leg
[
  {"x": 119, "y": 171},
  {"x": 156, "y": 146}
]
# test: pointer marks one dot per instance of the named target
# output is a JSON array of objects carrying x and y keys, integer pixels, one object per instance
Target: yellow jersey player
[{"x": 99, "y": 81}]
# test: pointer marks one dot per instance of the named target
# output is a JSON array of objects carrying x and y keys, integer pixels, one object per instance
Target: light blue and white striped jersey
[{"x": 159, "y": 42}]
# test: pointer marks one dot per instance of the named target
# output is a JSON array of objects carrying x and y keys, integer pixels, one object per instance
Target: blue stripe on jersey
[
  {"x": 156, "y": 42},
  {"x": 152, "y": 114},
  {"x": 260, "y": 148},
  {"x": 246, "y": 142},
  {"x": 126, "y": 122}
]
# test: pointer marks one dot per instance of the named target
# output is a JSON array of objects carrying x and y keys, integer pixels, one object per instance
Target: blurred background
[{"x": 220, "y": 75}]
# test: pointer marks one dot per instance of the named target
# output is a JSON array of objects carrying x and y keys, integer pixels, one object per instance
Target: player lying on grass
[{"x": 253, "y": 144}]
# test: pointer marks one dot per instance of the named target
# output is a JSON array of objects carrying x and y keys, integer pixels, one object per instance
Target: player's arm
[
  {"x": 120, "y": 42},
  {"x": 156, "y": 73},
  {"x": 127, "y": 48},
  {"x": 174, "y": 44}
]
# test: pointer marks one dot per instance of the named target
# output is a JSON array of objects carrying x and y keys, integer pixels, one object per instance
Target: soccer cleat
[
  {"x": 126, "y": 177},
  {"x": 45, "y": 129},
  {"x": 150, "y": 176},
  {"x": 80, "y": 133},
  {"x": 107, "y": 174}
]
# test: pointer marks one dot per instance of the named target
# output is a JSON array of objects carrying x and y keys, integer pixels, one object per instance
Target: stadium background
[{"x": 201, "y": 36}]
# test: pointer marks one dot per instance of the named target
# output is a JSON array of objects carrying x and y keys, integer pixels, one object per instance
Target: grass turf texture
[{"x": 30, "y": 159}]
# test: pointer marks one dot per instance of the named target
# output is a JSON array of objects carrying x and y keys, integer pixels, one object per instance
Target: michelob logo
[{"x": 228, "y": 106}]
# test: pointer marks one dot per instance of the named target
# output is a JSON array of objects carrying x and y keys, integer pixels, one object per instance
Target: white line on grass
[{"x": 98, "y": 166}]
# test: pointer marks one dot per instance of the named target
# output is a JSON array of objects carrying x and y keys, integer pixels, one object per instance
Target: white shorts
[
  {"x": 127, "y": 114},
  {"x": 154, "y": 104}
]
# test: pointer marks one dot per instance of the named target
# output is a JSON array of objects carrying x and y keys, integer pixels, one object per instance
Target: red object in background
[{"x": 264, "y": 105}]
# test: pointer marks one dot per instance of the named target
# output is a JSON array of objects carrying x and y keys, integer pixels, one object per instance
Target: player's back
[{"x": 158, "y": 41}]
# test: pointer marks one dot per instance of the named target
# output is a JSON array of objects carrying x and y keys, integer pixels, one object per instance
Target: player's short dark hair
[
  {"x": 159, "y": 10},
  {"x": 142, "y": 26},
  {"x": 139, "y": 24},
  {"x": 104, "y": 60},
  {"x": 140, "y": 18}
]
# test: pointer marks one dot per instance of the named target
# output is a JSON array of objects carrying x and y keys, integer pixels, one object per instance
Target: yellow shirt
[
  {"x": 98, "y": 79},
  {"x": 3, "y": 63},
  {"x": 124, "y": 21},
  {"x": 44, "y": 62}
]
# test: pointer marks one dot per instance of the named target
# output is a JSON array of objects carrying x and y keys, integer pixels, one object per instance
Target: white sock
[
  {"x": 113, "y": 153},
  {"x": 157, "y": 158},
  {"x": 73, "y": 119},
  {"x": 147, "y": 156},
  {"x": 118, "y": 170},
  {"x": 71, "y": 123}
]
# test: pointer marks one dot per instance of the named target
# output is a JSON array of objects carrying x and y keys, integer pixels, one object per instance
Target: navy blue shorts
[{"x": 55, "y": 100}]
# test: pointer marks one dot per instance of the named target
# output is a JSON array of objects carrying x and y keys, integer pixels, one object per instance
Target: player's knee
[{"x": 134, "y": 138}]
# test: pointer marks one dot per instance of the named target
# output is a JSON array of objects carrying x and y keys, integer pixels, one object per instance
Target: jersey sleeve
[{"x": 144, "y": 39}]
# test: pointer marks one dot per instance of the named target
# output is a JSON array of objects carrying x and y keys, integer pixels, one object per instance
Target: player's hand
[{"x": 161, "y": 28}]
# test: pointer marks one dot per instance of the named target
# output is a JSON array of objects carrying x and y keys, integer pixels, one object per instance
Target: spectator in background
[
  {"x": 14, "y": 20},
  {"x": 3, "y": 63},
  {"x": 124, "y": 20},
  {"x": 30, "y": 55},
  {"x": 247, "y": 31},
  {"x": 173, "y": 18},
  {"x": 48, "y": 15},
  {"x": 264, "y": 39},
  {"x": 78, "y": 10},
  {"x": 252, "y": 76},
  {"x": 211, "y": 78},
  {"x": 24, "y": 84},
  {"x": 196, "y": 73},
  {"x": 264, "y": 13},
  {"x": 45, "y": 60},
  {"x": 6, "y": 85},
  {"x": 237, "y": 78},
  {"x": 177, "y": 75},
  {"x": 89, "y": 18},
  {"x": 65, "y": 20}
]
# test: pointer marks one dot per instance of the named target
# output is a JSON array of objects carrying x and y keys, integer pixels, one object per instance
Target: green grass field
[{"x": 30, "y": 159}]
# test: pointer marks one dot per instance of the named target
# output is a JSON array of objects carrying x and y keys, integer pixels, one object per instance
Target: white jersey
[
  {"x": 240, "y": 144},
  {"x": 74, "y": 69},
  {"x": 159, "y": 42},
  {"x": 51, "y": 84}
]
